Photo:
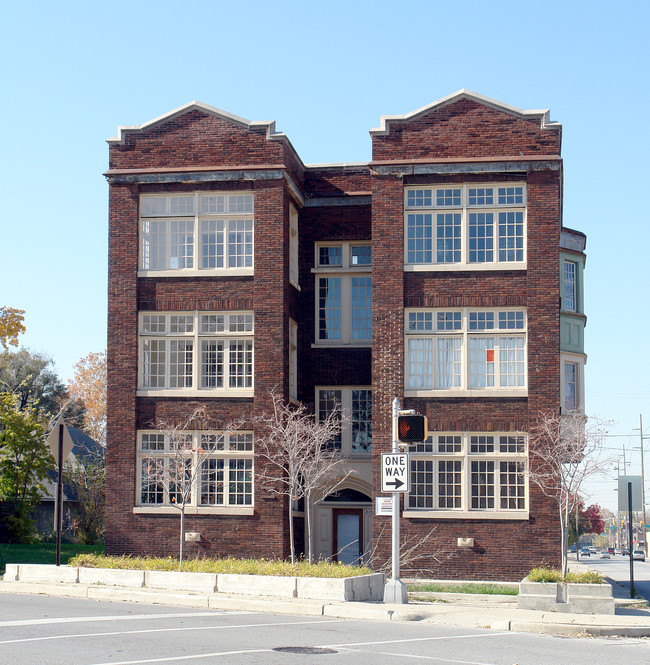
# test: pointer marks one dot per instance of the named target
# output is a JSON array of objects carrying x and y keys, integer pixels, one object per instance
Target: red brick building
[{"x": 430, "y": 273}]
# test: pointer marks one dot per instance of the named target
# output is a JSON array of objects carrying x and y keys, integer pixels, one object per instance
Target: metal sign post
[
  {"x": 61, "y": 445},
  {"x": 395, "y": 590}
]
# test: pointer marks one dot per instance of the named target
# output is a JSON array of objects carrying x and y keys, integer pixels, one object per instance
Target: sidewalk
[{"x": 468, "y": 610}]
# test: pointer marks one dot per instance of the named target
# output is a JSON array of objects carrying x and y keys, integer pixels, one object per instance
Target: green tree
[
  {"x": 25, "y": 459},
  {"x": 31, "y": 378}
]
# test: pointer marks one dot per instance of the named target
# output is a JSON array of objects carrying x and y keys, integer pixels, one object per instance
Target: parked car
[
  {"x": 605, "y": 555},
  {"x": 638, "y": 555},
  {"x": 611, "y": 550}
]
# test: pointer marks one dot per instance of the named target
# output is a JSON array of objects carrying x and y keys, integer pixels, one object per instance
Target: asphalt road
[
  {"x": 43, "y": 630},
  {"x": 618, "y": 569}
]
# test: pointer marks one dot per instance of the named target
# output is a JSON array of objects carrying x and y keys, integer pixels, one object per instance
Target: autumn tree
[
  {"x": 11, "y": 325},
  {"x": 89, "y": 387},
  {"x": 296, "y": 458},
  {"x": 565, "y": 450},
  {"x": 25, "y": 460}
]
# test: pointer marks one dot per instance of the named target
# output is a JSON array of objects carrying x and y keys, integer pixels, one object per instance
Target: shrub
[
  {"x": 227, "y": 565},
  {"x": 554, "y": 575}
]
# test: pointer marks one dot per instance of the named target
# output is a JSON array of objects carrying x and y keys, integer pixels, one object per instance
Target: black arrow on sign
[{"x": 397, "y": 483}]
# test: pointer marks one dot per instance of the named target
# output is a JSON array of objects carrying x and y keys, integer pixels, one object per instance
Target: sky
[{"x": 325, "y": 72}]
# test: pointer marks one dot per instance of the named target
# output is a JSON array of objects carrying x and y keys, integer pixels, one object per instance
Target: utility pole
[{"x": 643, "y": 530}]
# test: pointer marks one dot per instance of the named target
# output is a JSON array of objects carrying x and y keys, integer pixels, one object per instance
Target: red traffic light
[{"x": 411, "y": 428}]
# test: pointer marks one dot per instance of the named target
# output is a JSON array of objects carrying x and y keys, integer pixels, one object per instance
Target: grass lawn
[
  {"x": 506, "y": 590},
  {"x": 41, "y": 553}
]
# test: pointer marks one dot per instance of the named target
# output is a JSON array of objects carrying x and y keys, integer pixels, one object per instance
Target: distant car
[
  {"x": 611, "y": 550},
  {"x": 605, "y": 555},
  {"x": 585, "y": 552},
  {"x": 638, "y": 555}
]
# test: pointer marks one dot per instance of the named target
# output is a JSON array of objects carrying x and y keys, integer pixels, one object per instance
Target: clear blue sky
[{"x": 325, "y": 72}]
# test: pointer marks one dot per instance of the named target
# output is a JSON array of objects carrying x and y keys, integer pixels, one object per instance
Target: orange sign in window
[{"x": 490, "y": 355}]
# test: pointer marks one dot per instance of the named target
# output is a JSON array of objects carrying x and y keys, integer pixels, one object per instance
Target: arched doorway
[{"x": 343, "y": 525}]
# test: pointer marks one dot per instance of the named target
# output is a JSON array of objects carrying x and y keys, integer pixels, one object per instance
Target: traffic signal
[{"x": 411, "y": 428}]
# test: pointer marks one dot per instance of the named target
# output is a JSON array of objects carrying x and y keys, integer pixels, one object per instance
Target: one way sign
[{"x": 394, "y": 472}]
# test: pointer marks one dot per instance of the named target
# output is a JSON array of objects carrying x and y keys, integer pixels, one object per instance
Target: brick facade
[{"x": 462, "y": 139}]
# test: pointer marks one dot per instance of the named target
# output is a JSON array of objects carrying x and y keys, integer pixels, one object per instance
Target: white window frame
[
  {"x": 462, "y": 208},
  {"x": 461, "y": 355},
  {"x": 233, "y": 330},
  {"x": 294, "y": 244},
  {"x": 456, "y": 448},
  {"x": 578, "y": 361},
  {"x": 293, "y": 359},
  {"x": 573, "y": 282},
  {"x": 347, "y": 424},
  {"x": 234, "y": 210},
  {"x": 346, "y": 271},
  {"x": 233, "y": 448}
]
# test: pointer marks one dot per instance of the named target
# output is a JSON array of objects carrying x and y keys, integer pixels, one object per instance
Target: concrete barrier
[
  {"x": 177, "y": 581},
  {"x": 111, "y": 577},
  {"x": 36, "y": 572},
  {"x": 257, "y": 585},
  {"x": 364, "y": 587},
  {"x": 361, "y": 588},
  {"x": 566, "y": 597}
]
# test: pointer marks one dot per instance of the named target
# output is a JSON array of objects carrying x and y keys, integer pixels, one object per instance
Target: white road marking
[
  {"x": 118, "y": 617},
  {"x": 409, "y": 655},
  {"x": 179, "y": 658},
  {"x": 166, "y": 630},
  {"x": 414, "y": 639}
]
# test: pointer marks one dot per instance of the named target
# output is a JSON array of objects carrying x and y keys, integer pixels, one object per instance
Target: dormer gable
[{"x": 465, "y": 124}]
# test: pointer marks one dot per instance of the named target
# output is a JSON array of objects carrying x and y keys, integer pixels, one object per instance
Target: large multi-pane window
[
  {"x": 196, "y": 352},
  {"x": 201, "y": 469},
  {"x": 196, "y": 232},
  {"x": 343, "y": 294},
  {"x": 465, "y": 226},
  {"x": 355, "y": 408},
  {"x": 293, "y": 245},
  {"x": 469, "y": 473},
  {"x": 462, "y": 350}
]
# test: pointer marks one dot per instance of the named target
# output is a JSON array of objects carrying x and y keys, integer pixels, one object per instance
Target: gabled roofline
[
  {"x": 543, "y": 115},
  {"x": 271, "y": 134}
]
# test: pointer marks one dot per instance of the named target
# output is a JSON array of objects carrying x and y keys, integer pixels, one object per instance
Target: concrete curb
[{"x": 501, "y": 618}]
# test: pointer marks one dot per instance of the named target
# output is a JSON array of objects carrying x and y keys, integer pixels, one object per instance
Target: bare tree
[
  {"x": 177, "y": 473},
  {"x": 297, "y": 457},
  {"x": 413, "y": 554},
  {"x": 565, "y": 450}
]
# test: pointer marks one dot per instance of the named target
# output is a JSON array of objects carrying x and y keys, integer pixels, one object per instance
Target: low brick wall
[{"x": 362, "y": 588}]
